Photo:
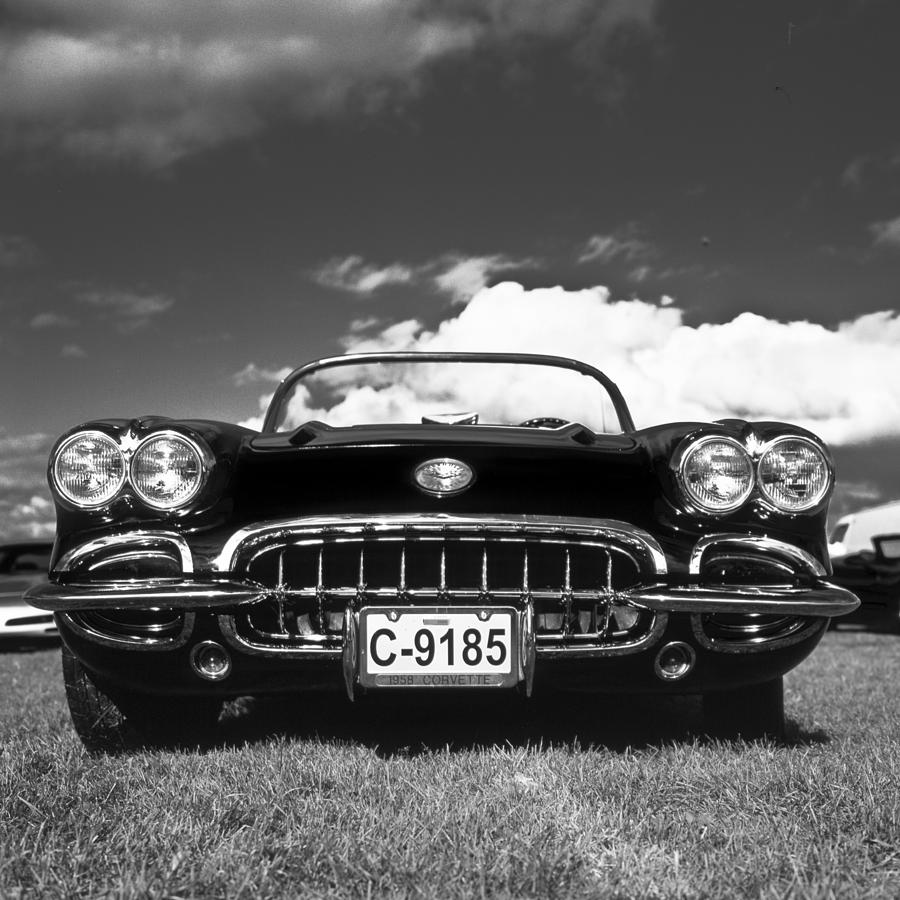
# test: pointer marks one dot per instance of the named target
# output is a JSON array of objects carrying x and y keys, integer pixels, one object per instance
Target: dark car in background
[
  {"x": 463, "y": 522},
  {"x": 23, "y": 565}
]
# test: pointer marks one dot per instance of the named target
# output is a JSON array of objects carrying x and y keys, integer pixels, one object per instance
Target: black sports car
[{"x": 432, "y": 549}]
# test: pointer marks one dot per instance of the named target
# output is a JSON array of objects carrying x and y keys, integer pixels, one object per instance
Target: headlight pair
[
  {"x": 166, "y": 469},
  {"x": 718, "y": 475}
]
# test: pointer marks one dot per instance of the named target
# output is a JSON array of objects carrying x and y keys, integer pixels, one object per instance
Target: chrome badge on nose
[{"x": 443, "y": 477}]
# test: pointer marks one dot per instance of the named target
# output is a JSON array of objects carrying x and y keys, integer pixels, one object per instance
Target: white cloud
[
  {"x": 73, "y": 351},
  {"x": 354, "y": 274},
  {"x": 254, "y": 374},
  {"x": 853, "y": 174},
  {"x": 887, "y": 232},
  {"x": 52, "y": 320},
  {"x": 15, "y": 250},
  {"x": 130, "y": 310},
  {"x": 25, "y": 508},
  {"x": 462, "y": 277},
  {"x": 606, "y": 247},
  {"x": 459, "y": 276},
  {"x": 751, "y": 367},
  {"x": 33, "y": 519},
  {"x": 155, "y": 80}
]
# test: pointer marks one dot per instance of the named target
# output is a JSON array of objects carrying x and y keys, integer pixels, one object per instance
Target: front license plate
[{"x": 438, "y": 647}]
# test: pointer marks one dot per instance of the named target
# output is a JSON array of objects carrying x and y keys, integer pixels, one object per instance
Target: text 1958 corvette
[{"x": 424, "y": 548}]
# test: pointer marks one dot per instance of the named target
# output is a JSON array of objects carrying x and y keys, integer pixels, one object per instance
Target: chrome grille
[{"x": 573, "y": 581}]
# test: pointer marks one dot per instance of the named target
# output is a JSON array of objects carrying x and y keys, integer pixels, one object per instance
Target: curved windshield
[{"x": 459, "y": 391}]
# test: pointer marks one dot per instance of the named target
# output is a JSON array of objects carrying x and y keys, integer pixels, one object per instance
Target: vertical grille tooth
[
  {"x": 361, "y": 583},
  {"x": 320, "y": 588},
  {"x": 442, "y": 582},
  {"x": 279, "y": 592},
  {"x": 566, "y": 594},
  {"x": 401, "y": 587}
]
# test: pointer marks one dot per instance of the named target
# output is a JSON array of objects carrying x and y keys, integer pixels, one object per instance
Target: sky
[{"x": 702, "y": 199}]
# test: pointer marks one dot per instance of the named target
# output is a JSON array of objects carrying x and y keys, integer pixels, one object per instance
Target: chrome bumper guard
[
  {"x": 821, "y": 599},
  {"x": 184, "y": 593}
]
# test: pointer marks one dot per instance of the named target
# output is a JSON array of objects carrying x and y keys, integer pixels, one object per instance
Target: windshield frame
[{"x": 283, "y": 391}]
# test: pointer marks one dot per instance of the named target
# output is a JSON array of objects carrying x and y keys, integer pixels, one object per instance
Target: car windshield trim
[{"x": 283, "y": 391}]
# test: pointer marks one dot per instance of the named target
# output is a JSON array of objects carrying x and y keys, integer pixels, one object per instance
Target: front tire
[
  {"x": 751, "y": 713},
  {"x": 112, "y": 720}
]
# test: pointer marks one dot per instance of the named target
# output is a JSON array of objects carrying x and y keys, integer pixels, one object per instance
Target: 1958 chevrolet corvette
[{"x": 197, "y": 560}]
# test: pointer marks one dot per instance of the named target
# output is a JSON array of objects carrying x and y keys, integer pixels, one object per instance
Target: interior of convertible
[{"x": 452, "y": 393}]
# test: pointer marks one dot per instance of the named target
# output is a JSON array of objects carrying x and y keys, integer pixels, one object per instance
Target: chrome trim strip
[
  {"x": 180, "y": 594},
  {"x": 136, "y": 539},
  {"x": 85, "y": 630},
  {"x": 824, "y": 599},
  {"x": 800, "y": 559},
  {"x": 229, "y": 632},
  {"x": 648, "y": 639},
  {"x": 754, "y": 645},
  {"x": 511, "y": 527}
]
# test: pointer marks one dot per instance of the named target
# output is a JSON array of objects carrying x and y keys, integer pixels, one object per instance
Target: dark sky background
[{"x": 701, "y": 198}]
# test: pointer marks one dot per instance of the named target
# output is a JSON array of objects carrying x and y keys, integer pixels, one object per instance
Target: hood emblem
[{"x": 443, "y": 477}]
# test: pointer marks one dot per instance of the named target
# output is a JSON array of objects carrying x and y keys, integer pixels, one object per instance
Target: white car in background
[
  {"x": 853, "y": 533},
  {"x": 23, "y": 566},
  {"x": 865, "y": 557}
]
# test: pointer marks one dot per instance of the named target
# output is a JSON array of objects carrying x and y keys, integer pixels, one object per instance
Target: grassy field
[{"x": 589, "y": 798}]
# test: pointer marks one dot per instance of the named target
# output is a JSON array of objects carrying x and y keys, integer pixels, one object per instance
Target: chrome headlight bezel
[
  {"x": 696, "y": 503},
  {"x": 116, "y": 484},
  {"x": 818, "y": 498},
  {"x": 201, "y": 453}
]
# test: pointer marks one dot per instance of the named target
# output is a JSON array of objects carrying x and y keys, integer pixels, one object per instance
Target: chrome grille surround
[
  {"x": 100, "y": 626},
  {"x": 379, "y": 561},
  {"x": 752, "y": 632},
  {"x": 756, "y": 633}
]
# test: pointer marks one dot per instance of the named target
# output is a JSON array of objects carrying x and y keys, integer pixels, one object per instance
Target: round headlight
[
  {"x": 89, "y": 469},
  {"x": 793, "y": 474},
  {"x": 168, "y": 470},
  {"x": 716, "y": 474}
]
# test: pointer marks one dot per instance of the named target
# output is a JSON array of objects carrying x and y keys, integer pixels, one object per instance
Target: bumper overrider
[{"x": 570, "y": 589}]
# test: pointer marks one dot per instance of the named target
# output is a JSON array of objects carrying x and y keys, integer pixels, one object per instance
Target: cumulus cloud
[
  {"x": 155, "y": 81},
  {"x": 73, "y": 351},
  {"x": 129, "y": 310},
  {"x": 835, "y": 381},
  {"x": 887, "y": 232}
]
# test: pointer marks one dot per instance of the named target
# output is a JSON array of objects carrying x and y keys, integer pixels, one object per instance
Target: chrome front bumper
[
  {"x": 820, "y": 599},
  {"x": 221, "y": 586}
]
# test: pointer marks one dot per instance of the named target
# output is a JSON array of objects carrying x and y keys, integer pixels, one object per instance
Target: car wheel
[
  {"x": 752, "y": 712},
  {"x": 111, "y": 720}
]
